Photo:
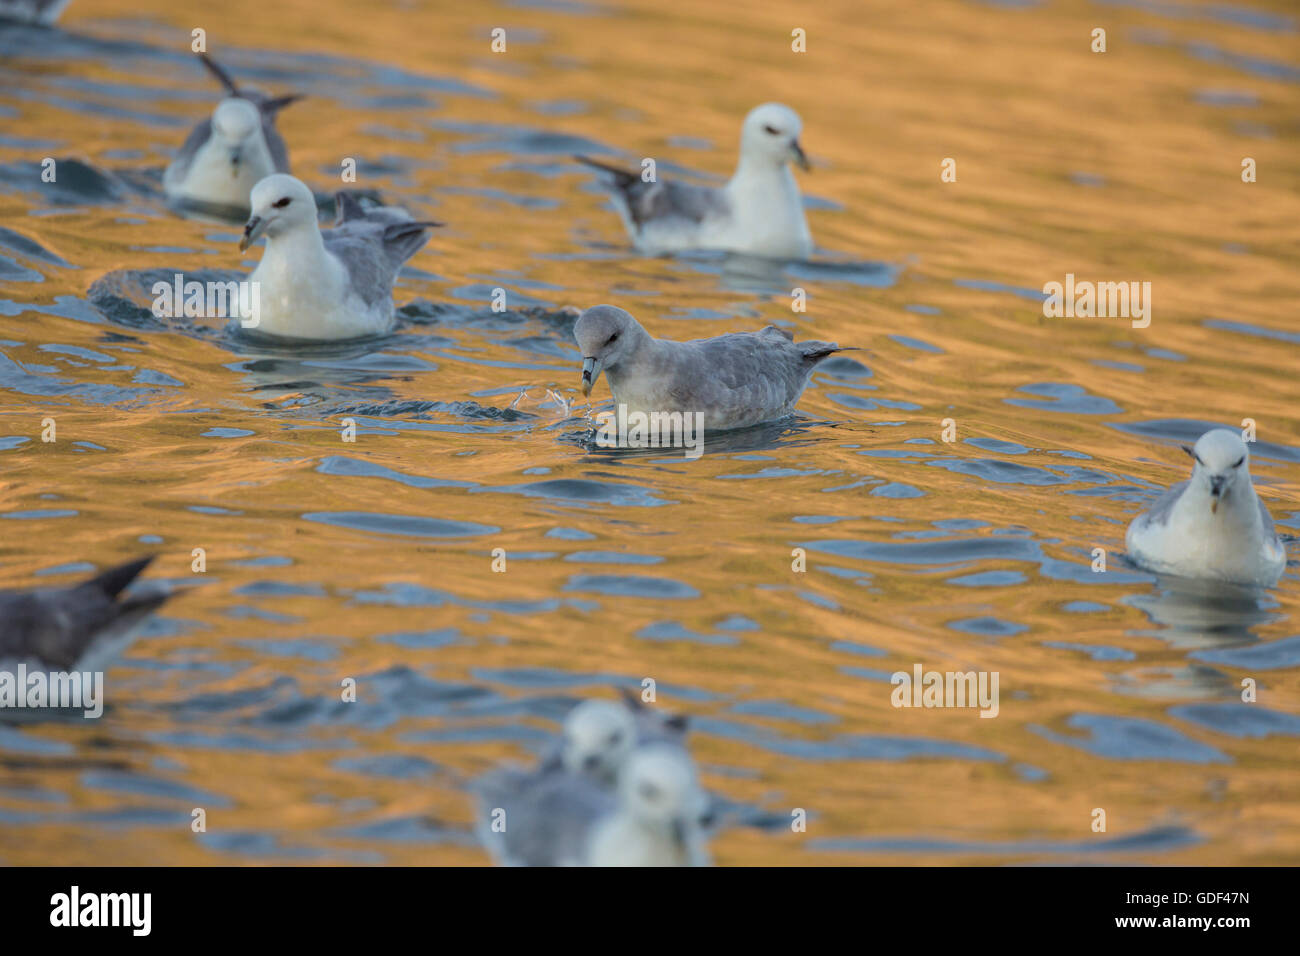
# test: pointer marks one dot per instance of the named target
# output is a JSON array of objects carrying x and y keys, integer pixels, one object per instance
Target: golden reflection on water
[{"x": 886, "y": 91}]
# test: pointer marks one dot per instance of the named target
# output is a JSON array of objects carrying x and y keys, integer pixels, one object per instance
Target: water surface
[{"x": 372, "y": 560}]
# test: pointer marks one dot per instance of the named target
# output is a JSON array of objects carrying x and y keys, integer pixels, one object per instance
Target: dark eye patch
[
  {"x": 281, "y": 203},
  {"x": 1239, "y": 462},
  {"x": 771, "y": 131},
  {"x": 611, "y": 339}
]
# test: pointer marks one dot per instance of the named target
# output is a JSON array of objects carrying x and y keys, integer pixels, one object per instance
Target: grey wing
[
  {"x": 1163, "y": 507},
  {"x": 495, "y": 792},
  {"x": 199, "y": 135},
  {"x": 372, "y": 244},
  {"x": 359, "y": 246},
  {"x": 666, "y": 202},
  {"x": 660, "y": 202},
  {"x": 562, "y": 818},
  {"x": 275, "y": 144},
  {"x": 551, "y": 757},
  {"x": 495, "y": 788},
  {"x": 404, "y": 239},
  {"x": 1266, "y": 520},
  {"x": 752, "y": 369},
  {"x": 548, "y": 814},
  {"x": 222, "y": 76},
  {"x": 270, "y": 108}
]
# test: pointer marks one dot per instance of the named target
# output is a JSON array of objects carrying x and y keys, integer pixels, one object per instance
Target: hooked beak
[
  {"x": 679, "y": 831},
  {"x": 590, "y": 372},
  {"x": 800, "y": 157},
  {"x": 252, "y": 232},
  {"x": 708, "y": 814},
  {"x": 1216, "y": 492}
]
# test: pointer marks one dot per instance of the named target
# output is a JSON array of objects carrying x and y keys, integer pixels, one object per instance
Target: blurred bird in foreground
[
  {"x": 618, "y": 788},
  {"x": 83, "y": 627}
]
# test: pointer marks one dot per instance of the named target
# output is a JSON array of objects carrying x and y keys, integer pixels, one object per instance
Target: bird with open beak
[{"x": 1213, "y": 525}]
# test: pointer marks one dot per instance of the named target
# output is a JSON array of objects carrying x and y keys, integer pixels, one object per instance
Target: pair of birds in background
[
  {"x": 338, "y": 284},
  {"x": 312, "y": 285},
  {"x": 759, "y": 211},
  {"x": 618, "y": 788}
]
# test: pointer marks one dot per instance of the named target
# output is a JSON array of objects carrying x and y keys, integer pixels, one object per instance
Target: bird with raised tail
[
  {"x": 1212, "y": 526},
  {"x": 83, "y": 627},
  {"x": 734, "y": 380},
  {"x": 226, "y": 155},
  {"x": 759, "y": 212},
  {"x": 330, "y": 285}
]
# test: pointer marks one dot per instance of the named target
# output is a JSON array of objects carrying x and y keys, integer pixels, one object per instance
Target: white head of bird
[
  {"x": 770, "y": 134},
  {"x": 279, "y": 203},
  {"x": 236, "y": 125},
  {"x": 598, "y": 736},
  {"x": 660, "y": 789},
  {"x": 1222, "y": 465}
]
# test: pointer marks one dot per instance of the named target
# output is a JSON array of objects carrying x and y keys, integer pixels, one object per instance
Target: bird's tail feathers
[
  {"x": 814, "y": 352},
  {"x": 115, "y": 580},
  {"x": 407, "y": 238},
  {"x": 276, "y": 103},
  {"x": 622, "y": 176},
  {"x": 399, "y": 231},
  {"x": 144, "y": 603},
  {"x": 219, "y": 72}
]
